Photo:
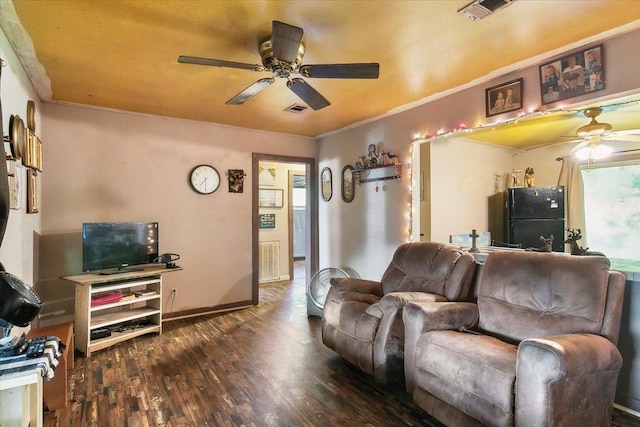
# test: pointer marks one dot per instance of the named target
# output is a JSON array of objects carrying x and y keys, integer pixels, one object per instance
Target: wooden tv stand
[{"x": 124, "y": 319}]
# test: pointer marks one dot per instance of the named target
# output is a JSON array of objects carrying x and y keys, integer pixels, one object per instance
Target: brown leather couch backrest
[
  {"x": 429, "y": 267},
  {"x": 529, "y": 295}
]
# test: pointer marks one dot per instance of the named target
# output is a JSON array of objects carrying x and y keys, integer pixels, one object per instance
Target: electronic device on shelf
[
  {"x": 167, "y": 259},
  {"x": 100, "y": 333},
  {"x": 118, "y": 247}
]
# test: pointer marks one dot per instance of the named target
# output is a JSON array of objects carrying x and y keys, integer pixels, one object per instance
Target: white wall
[
  {"x": 463, "y": 177},
  {"x": 116, "y": 166},
  {"x": 17, "y": 250},
  {"x": 363, "y": 234}
]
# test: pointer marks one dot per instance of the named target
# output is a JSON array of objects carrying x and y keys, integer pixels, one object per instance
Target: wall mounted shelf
[{"x": 377, "y": 173}]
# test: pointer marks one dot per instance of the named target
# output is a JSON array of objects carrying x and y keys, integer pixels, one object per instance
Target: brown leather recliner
[
  {"x": 362, "y": 319},
  {"x": 541, "y": 350}
]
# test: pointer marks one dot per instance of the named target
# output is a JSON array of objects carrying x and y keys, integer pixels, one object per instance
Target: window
[
  {"x": 612, "y": 212},
  {"x": 299, "y": 191}
]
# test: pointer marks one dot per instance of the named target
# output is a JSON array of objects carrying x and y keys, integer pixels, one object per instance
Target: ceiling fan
[
  {"x": 592, "y": 135},
  {"x": 282, "y": 54}
]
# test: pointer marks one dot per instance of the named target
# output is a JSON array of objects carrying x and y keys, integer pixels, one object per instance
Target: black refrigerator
[{"x": 535, "y": 212}]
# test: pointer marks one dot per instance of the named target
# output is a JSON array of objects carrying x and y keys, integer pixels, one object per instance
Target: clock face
[{"x": 204, "y": 179}]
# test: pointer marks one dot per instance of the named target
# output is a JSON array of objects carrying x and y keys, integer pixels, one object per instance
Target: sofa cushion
[
  {"x": 547, "y": 294},
  {"x": 426, "y": 267},
  {"x": 475, "y": 373}
]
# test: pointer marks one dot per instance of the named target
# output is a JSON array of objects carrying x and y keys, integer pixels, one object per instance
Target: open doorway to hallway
[
  {"x": 285, "y": 219},
  {"x": 298, "y": 206}
]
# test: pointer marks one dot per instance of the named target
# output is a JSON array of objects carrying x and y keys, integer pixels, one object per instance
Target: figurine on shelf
[
  {"x": 384, "y": 158},
  {"x": 515, "y": 178},
  {"x": 373, "y": 156},
  {"x": 393, "y": 158},
  {"x": 361, "y": 162},
  {"x": 528, "y": 177}
]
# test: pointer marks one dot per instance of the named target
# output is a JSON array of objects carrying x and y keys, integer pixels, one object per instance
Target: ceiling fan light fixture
[
  {"x": 594, "y": 151},
  {"x": 594, "y": 128}
]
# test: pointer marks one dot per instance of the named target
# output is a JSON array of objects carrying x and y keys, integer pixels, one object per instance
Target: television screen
[{"x": 118, "y": 245}]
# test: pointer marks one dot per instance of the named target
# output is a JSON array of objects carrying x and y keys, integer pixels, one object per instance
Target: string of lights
[{"x": 462, "y": 128}]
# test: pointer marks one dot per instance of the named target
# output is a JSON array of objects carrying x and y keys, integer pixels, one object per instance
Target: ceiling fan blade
[
  {"x": 369, "y": 70},
  {"x": 218, "y": 63},
  {"x": 312, "y": 97},
  {"x": 286, "y": 40},
  {"x": 623, "y": 137},
  {"x": 250, "y": 91}
]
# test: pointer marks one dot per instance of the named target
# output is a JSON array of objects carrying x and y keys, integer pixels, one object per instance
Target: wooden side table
[{"x": 55, "y": 391}]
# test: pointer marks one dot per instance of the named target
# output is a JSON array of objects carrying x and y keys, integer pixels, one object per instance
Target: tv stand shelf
[{"x": 124, "y": 319}]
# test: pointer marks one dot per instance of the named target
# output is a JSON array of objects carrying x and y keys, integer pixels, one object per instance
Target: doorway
[
  {"x": 309, "y": 216},
  {"x": 297, "y": 207}
]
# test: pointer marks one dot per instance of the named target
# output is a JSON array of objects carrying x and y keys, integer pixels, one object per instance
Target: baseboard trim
[{"x": 206, "y": 310}]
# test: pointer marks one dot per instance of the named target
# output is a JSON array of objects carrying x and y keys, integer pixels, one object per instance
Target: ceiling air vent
[
  {"x": 296, "y": 108},
  {"x": 482, "y": 8}
]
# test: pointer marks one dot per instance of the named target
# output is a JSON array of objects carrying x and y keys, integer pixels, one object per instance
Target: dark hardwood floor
[{"x": 262, "y": 366}]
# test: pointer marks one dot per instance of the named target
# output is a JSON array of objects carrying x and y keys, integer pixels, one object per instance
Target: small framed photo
[
  {"x": 348, "y": 184},
  {"x": 326, "y": 184},
  {"x": 236, "y": 180},
  {"x": 267, "y": 221},
  {"x": 504, "y": 98},
  {"x": 270, "y": 198},
  {"x": 572, "y": 75},
  {"x": 13, "y": 177},
  {"x": 33, "y": 202}
]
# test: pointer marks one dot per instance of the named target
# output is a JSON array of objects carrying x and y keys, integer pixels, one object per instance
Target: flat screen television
[{"x": 115, "y": 247}]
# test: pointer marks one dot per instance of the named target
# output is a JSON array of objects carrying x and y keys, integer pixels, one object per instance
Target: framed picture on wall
[
  {"x": 348, "y": 184},
  {"x": 326, "y": 184},
  {"x": 270, "y": 198},
  {"x": 504, "y": 98},
  {"x": 572, "y": 75},
  {"x": 266, "y": 176},
  {"x": 236, "y": 180},
  {"x": 266, "y": 221},
  {"x": 33, "y": 203},
  {"x": 13, "y": 177}
]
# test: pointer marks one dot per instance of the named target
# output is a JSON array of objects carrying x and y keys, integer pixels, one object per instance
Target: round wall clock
[{"x": 204, "y": 179}]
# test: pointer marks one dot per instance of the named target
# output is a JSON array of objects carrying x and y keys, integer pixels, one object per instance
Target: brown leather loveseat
[
  {"x": 538, "y": 348},
  {"x": 362, "y": 319}
]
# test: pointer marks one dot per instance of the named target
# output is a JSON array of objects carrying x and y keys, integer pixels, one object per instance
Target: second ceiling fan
[
  {"x": 282, "y": 55},
  {"x": 590, "y": 145}
]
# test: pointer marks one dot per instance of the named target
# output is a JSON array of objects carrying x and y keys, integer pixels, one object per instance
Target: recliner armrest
[
  {"x": 422, "y": 317},
  {"x": 553, "y": 373},
  {"x": 419, "y": 318},
  {"x": 400, "y": 299},
  {"x": 357, "y": 285}
]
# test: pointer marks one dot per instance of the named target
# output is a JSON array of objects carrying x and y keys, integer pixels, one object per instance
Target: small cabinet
[
  {"x": 378, "y": 173},
  {"x": 114, "y": 308}
]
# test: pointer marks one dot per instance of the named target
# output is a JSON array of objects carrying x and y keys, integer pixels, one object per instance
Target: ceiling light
[{"x": 594, "y": 151}]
